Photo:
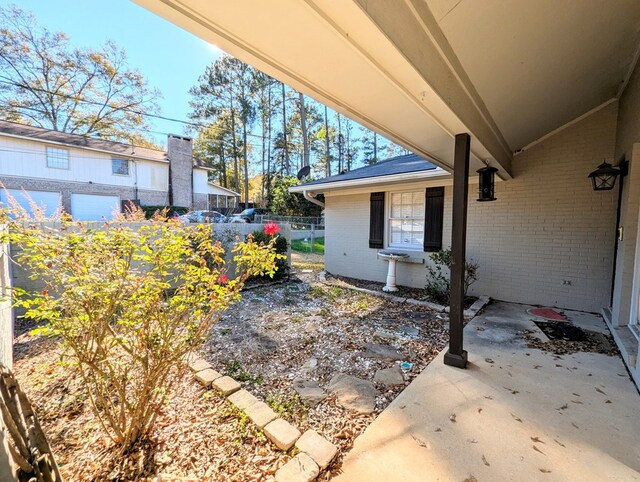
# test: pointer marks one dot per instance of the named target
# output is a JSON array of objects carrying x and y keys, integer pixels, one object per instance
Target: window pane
[
  {"x": 396, "y": 201},
  {"x": 57, "y": 158},
  {"x": 120, "y": 166},
  {"x": 406, "y": 228}
]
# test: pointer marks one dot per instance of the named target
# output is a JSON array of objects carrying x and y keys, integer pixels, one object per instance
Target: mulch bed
[
  {"x": 403, "y": 291},
  {"x": 264, "y": 341}
]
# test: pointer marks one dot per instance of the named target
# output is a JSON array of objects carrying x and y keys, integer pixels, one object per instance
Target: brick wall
[
  {"x": 146, "y": 197},
  {"x": 180, "y": 156},
  {"x": 546, "y": 226}
]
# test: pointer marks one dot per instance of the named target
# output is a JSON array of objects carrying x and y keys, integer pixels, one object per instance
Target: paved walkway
[{"x": 515, "y": 414}]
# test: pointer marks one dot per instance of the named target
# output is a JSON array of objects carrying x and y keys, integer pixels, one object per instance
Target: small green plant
[
  {"x": 438, "y": 287},
  {"x": 237, "y": 371},
  {"x": 269, "y": 236},
  {"x": 287, "y": 406}
]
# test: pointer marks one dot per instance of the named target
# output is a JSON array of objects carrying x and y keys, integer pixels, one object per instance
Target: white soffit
[
  {"x": 334, "y": 52},
  {"x": 538, "y": 64}
]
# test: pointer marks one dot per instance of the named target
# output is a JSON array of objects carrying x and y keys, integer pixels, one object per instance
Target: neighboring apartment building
[{"x": 92, "y": 178}]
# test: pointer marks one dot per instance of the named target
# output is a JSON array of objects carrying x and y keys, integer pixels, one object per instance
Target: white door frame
[{"x": 634, "y": 312}]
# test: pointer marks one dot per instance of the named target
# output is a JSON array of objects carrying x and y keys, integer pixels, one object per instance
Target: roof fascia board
[
  {"x": 84, "y": 148},
  {"x": 217, "y": 186},
  {"x": 366, "y": 181}
]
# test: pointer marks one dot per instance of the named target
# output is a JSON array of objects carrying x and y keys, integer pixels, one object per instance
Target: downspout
[{"x": 310, "y": 196}]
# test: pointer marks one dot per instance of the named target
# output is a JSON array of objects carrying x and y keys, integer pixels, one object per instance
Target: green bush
[
  {"x": 281, "y": 247},
  {"x": 150, "y": 211},
  {"x": 130, "y": 303},
  {"x": 438, "y": 287}
]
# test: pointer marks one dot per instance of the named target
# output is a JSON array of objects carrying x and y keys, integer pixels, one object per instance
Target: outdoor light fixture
[
  {"x": 486, "y": 190},
  {"x": 604, "y": 178}
]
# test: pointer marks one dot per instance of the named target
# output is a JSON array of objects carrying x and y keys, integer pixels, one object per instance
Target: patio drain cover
[{"x": 547, "y": 314}]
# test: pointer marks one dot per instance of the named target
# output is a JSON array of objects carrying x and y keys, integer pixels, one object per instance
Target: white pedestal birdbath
[{"x": 392, "y": 258}]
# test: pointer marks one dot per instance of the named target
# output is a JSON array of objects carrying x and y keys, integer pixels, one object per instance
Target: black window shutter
[
  {"x": 376, "y": 220},
  {"x": 433, "y": 216}
]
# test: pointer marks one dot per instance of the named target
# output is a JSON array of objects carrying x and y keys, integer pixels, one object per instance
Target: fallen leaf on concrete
[
  {"x": 488, "y": 397},
  {"x": 472, "y": 441},
  {"x": 537, "y": 440},
  {"x": 538, "y": 450},
  {"x": 545, "y": 471},
  {"x": 489, "y": 360},
  {"x": 608, "y": 401},
  {"x": 537, "y": 366},
  {"x": 471, "y": 478},
  {"x": 516, "y": 418},
  {"x": 599, "y": 391},
  {"x": 559, "y": 443},
  {"x": 576, "y": 394},
  {"x": 452, "y": 417},
  {"x": 564, "y": 407},
  {"x": 484, "y": 460},
  {"x": 438, "y": 430},
  {"x": 420, "y": 442},
  {"x": 479, "y": 410},
  {"x": 577, "y": 401},
  {"x": 513, "y": 392},
  {"x": 574, "y": 425}
]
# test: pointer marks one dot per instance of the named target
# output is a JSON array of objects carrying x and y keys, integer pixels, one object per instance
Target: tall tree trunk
[
  {"x": 340, "y": 166},
  {"x": 223, "y": 165},
  {"x": 287, "y": 168},
  {"x": 268, "y": 180},
  {"x": 375, "y": 147},
  {"x": 303, "y": 127},
  {"x": 236, "y": 170},
  {"x": 326, "y": 142},
  {"x": 246, "y": 165},
  {"x": 263, "y": 115}
]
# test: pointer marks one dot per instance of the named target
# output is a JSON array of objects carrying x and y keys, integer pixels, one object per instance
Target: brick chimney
[{"x": 180, "y": 154}]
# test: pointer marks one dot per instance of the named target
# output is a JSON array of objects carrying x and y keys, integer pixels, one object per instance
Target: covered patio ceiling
[{"x": 421, "y": 71}]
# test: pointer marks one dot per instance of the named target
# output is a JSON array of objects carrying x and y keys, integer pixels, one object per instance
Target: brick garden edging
[
  {"x": 470, "y": 312},
  {"x": 315, "y": 452}
]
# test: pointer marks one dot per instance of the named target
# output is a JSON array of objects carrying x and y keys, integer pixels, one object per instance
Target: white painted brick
[{"x": 547, "y": 225}]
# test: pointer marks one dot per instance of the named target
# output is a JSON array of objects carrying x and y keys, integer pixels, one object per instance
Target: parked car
[
  {"x": 248, "y": 215},
  {"x": 203, "y": 217}
]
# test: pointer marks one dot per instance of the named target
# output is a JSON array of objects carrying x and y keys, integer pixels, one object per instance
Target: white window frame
[
  {"x": 409, "y": 247},
  {"x": 122, "y": 160},
  {"x": 54, "y": 154}
]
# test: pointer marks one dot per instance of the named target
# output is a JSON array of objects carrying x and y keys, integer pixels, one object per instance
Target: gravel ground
[{"x": 264, "y": 341}]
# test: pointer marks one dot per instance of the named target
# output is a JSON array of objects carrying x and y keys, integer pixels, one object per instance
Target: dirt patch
[
  {"x": 273, "y": 336},
  {"x": 564, "y": 337},
  {"x": 198, "y": 433},
  {"x": 313, "y": 332}
]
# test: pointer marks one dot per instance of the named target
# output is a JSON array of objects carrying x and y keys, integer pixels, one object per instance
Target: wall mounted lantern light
[
  {"x": 604, "y": 177},
  {"x": 486, "y": 189}
]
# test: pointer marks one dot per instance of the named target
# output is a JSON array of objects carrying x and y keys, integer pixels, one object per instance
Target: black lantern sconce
[
  {"x": 486, "y": 190},
  {"x": 604, "y": 178}
]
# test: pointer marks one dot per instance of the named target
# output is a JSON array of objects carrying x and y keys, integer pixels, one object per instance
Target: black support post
[{"x": 456, "y": 356}]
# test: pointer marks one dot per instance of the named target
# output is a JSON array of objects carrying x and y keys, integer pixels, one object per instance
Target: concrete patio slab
[{"x": 516, "y": 413}]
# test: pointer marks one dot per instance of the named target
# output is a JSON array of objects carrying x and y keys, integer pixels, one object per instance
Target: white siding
[
  {"x": 200, "y": 181},
  {"x": 24, "y": 158},
  {"x": 547, "y": 225}
]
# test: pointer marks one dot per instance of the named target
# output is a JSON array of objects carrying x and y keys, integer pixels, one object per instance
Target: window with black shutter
[{"x": 376, "y": 220}]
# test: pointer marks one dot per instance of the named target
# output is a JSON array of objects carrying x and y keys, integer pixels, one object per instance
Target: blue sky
[{"x": 170, "y": 58}]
